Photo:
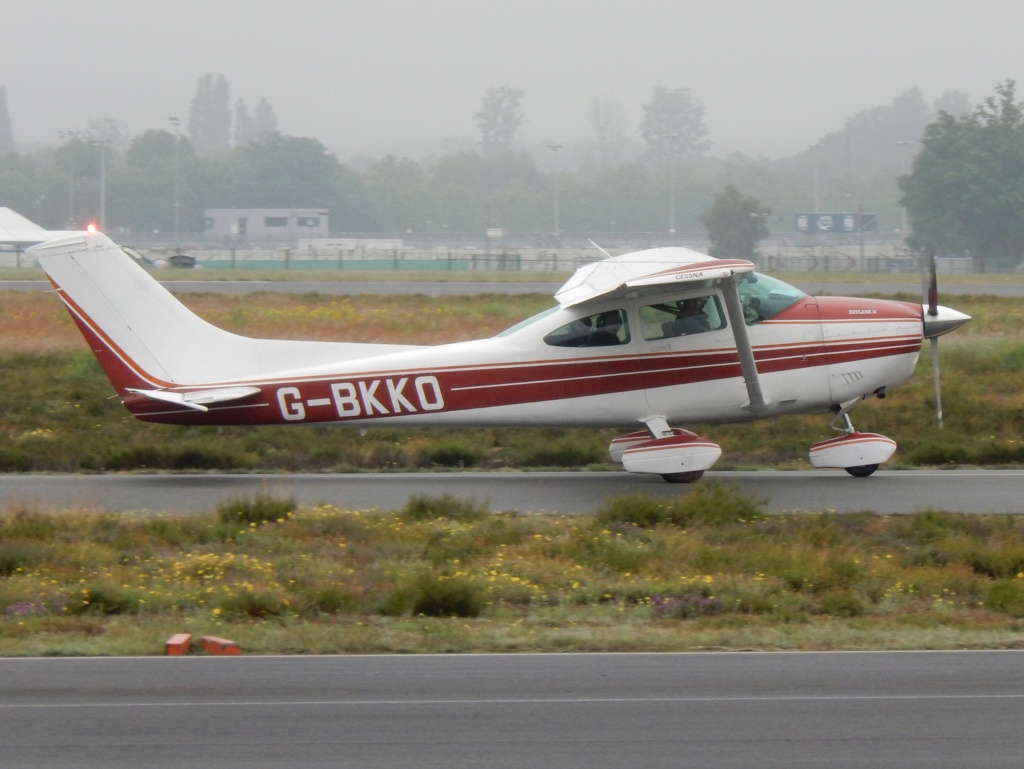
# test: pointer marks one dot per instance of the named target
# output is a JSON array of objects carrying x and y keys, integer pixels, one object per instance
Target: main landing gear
[
  {"x": 859, "y": 454},
  {"x": 677, "y": 455}
]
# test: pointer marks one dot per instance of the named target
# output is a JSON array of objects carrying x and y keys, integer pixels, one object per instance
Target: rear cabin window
[
  {"x": 682, "y": 317},
  {"x": 605, "y": 329}
]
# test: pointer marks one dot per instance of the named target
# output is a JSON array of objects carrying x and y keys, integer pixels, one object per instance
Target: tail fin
[{"x": 145, "y": 338}]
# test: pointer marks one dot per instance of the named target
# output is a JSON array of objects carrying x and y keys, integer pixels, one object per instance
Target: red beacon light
[{"x": 91, "y": 228}]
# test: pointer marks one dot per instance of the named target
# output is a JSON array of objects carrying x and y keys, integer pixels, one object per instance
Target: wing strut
[{"x": 734, "y": 309}]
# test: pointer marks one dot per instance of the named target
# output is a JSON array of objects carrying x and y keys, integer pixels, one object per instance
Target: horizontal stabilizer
[{"x": 198, "y": 399}]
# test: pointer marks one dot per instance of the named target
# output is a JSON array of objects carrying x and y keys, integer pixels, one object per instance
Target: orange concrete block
[
  {"x": 179, "y": 644},
  {"x": 214, "y": 645}
]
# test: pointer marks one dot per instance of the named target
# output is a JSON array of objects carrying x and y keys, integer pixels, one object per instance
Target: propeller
[
  {"x": 933, "y": 312},
  {"x": 938, "y": 320}
]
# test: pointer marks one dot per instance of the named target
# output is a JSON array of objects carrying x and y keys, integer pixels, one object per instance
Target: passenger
[
  {"x": 606, "y": 329},
  {"x": 691, "y": 318}
]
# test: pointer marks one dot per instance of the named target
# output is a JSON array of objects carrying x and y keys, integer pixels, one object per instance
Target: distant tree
[
  {"x": 398, "y": 195},
  {"x": 209, "y": 118},
  {"x": 609, "y": 125},
  {"x": 673, "y": 125},
  {"x": 144, "y": 184},
  {"x": 249, "y": 128},
  {"x": 956, "y": 103},
  {"x": 6, "y": 132},
  {"x": 459, "y": 190},
  {"x": 264, "y": 117},
  {"x": 736, "y": 224},
  {"x": 20, "y": 186},
  {"x": 499, "y": 118},
  {"x": 245, "y": 126},
  {"x": 276, "y": 171},
  {"x": 878, "y": 140},
  {"x": 622, "y": 198},
  {"x": 965, "y": 192}
]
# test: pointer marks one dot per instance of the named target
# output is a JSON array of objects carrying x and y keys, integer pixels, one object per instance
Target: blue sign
[{"x": 839, "y": 223}]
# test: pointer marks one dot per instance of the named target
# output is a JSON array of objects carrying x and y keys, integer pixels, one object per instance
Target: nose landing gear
[{"x": 859, "y": 454}]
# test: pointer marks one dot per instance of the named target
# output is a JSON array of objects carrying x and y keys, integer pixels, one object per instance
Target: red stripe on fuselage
[
  {"x": 122, "y": 371},
  {"x": 383, "y": 394}
]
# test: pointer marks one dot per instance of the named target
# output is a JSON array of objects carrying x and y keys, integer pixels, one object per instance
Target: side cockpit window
[
  {"x": 682, "y": 317},
  {"x": 605, "y": 329}
]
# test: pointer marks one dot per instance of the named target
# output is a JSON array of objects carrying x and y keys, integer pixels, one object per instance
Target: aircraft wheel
[
  {"x": 690, "y": 477},
  {"x": 861, "y": 471}
]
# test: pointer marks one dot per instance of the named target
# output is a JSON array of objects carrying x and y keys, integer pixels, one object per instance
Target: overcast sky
[{"x": 367, "y": 75}]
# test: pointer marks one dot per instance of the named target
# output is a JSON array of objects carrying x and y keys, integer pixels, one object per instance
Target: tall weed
[{"x": 710, "y": 504}]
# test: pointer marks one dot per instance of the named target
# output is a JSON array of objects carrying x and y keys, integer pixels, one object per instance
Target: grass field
[{"x": 707, "y": 571}]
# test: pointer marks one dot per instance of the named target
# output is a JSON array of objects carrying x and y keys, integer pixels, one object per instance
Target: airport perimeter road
[
  {"x": 909, "y": 491},
  {"x": 777, "y": 710},
  {"x": 812, "y": 284}
]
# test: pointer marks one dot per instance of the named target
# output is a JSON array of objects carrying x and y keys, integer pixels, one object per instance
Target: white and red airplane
[{"x": 654, "y": 338}]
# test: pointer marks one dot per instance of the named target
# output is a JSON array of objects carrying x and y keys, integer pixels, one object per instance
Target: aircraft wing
[{"x": 619, "y": 275}]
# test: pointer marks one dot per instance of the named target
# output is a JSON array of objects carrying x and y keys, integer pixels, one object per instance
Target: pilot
[
  {"x": 606, "y": 329},
  {"x": 691, "y": 318},
  {"x": 752, "y": 311}
]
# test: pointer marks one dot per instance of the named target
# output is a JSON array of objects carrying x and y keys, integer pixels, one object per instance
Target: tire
[
  {"x": 861, "y": 471},
  {"x": 690, "y": 477}
]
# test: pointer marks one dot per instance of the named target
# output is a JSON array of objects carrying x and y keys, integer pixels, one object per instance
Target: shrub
[
  {"x": 447, "y": 597},
  {"x": 842, "y": 603},
  {"x": 433, "y": 595},
  {"x": 331, "y": 600},
  {"x": 566, "y": 452},
  {"x": 135, "y": 457},
  {"x": 19, "y": 555},
  {"x": 23, "y": 523},
  {"x": 688, "y": 605},
  {"x": 199, "y": 457},
  {"x": 636, "y": 509},
  {"x": 709, "y": 504},
  {"x": 263, "y": 508},
  {"x": 1007, "y": 596},
  {"x": 257, "y": 604},
  {"x": 422, "y": 507},
  {"x": 451, "y": 455},
  {"x": 104, "y": 598}
]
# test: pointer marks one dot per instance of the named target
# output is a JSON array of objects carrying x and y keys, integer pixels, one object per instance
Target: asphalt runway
[
  {"x": 593, "y": 711},
  {"x": 890, "y": 492}
]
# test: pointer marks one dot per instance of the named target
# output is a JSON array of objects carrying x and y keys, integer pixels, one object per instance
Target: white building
[{"x": 251, "y": 226}]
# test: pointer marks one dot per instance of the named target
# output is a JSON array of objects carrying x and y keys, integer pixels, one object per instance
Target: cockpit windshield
[{"x": 763, "y": 296}]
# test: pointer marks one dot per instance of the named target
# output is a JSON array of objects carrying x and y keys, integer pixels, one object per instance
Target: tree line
[{"x": 953, "y": 172}]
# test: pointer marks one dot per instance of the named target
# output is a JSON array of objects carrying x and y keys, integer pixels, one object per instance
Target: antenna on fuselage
[{"x": 599, "y": 248}]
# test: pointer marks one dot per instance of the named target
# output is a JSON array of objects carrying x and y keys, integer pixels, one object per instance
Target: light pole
[
  {"x": 554, "y": 150},
  {"x": 671, "y": 141},
  {"x": 177, "y": 208},
  {"x": 71, "y": 136},
  {"x": 103, "y": 144}
]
